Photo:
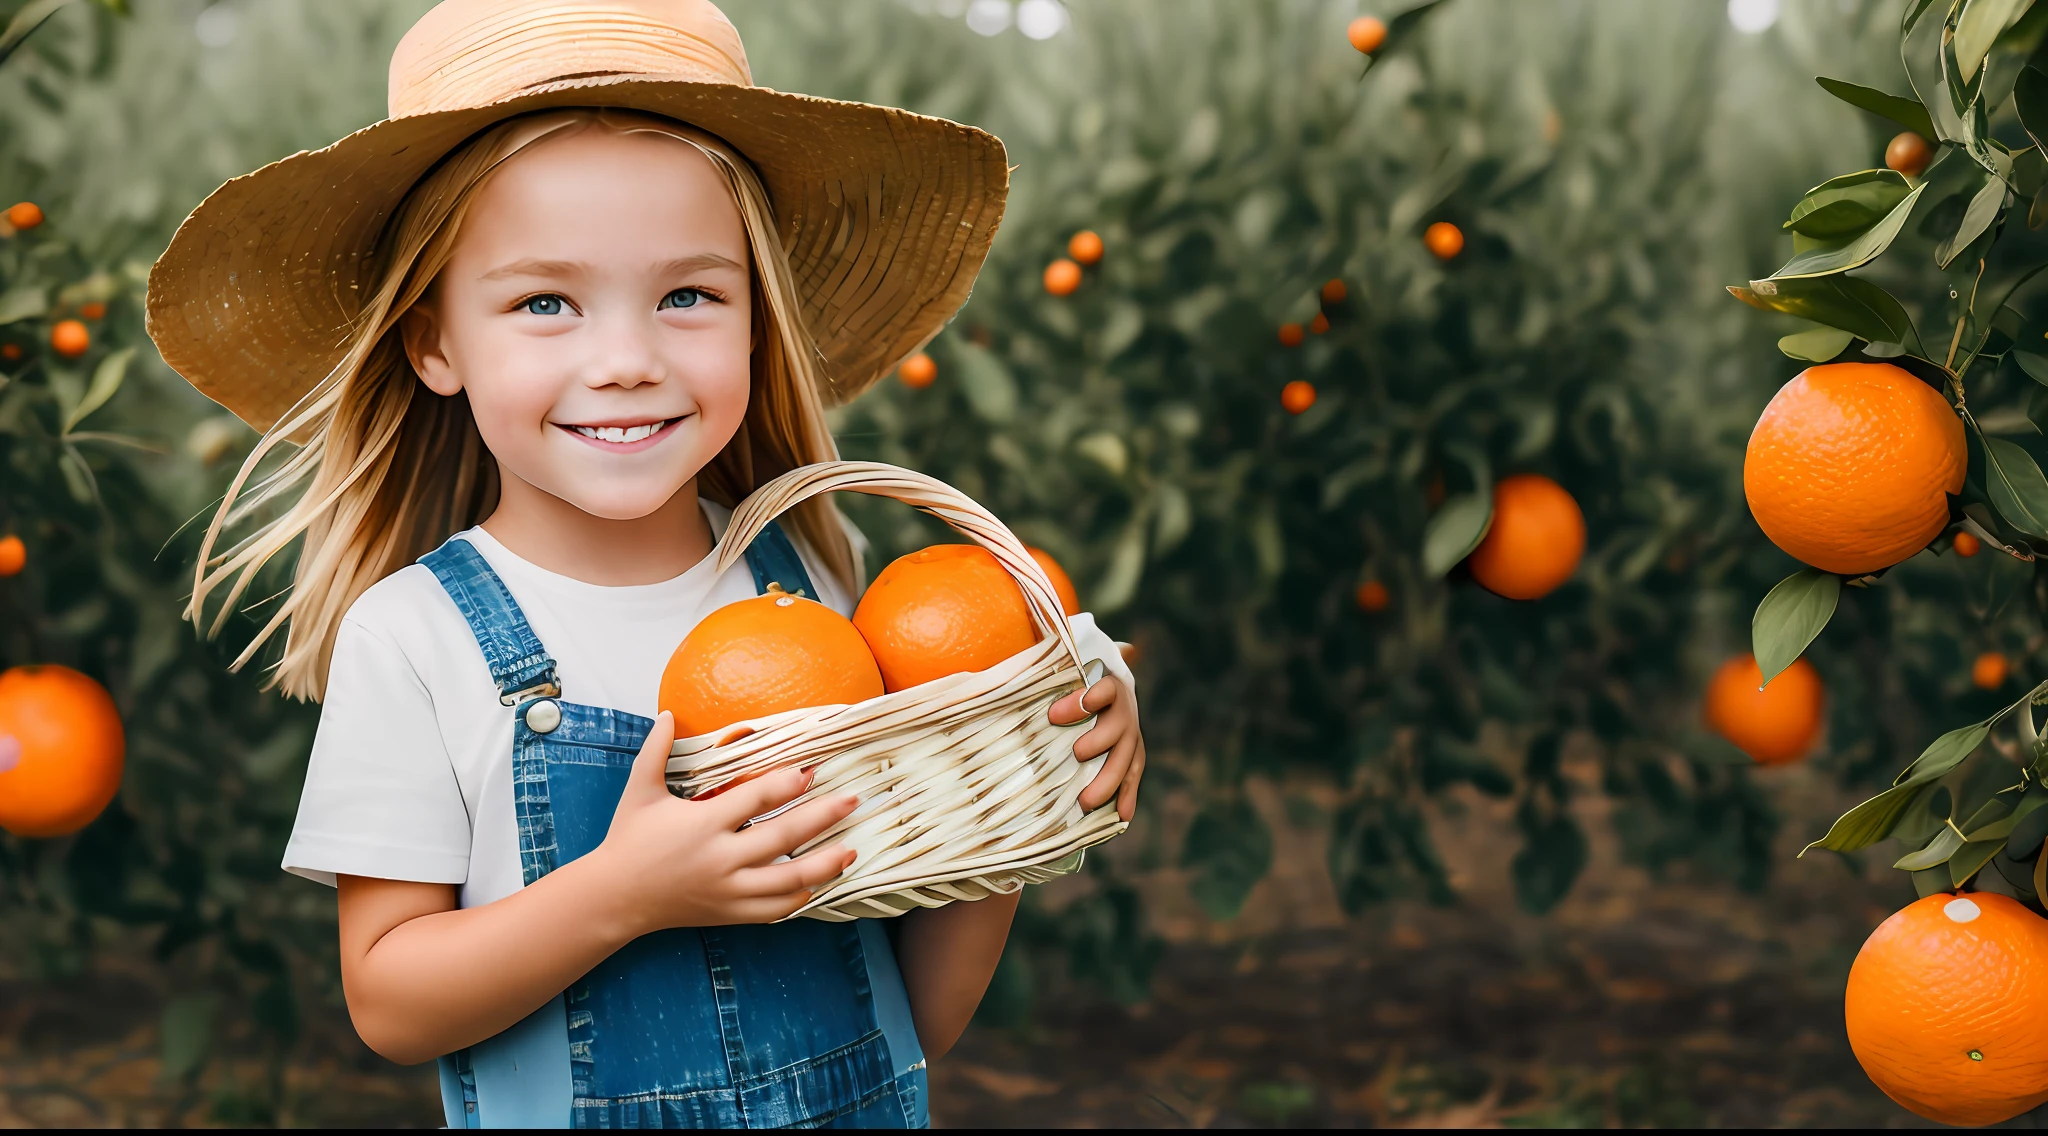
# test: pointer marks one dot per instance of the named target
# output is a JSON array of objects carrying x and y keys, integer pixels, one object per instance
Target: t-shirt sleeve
[{"x": 381, "y": 799}]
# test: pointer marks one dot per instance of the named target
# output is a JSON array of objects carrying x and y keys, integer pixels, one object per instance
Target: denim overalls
[{"x": 803, "y": 1023}]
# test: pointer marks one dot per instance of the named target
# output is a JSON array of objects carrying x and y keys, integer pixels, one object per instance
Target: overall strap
[
  {"x": 773, "y": 560},
  {"x": 520, "y": 666}
]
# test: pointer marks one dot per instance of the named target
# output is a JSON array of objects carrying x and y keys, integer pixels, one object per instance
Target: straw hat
[{"x": 886, "y": 215}]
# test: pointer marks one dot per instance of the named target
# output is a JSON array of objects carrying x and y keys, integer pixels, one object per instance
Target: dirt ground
[{"x": 1635, "y": 1003}]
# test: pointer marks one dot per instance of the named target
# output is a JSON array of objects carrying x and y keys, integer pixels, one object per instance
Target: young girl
[{"x": 534, "y": 297}]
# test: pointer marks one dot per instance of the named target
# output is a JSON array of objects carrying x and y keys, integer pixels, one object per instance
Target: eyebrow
[{"x": 681, "y": 265}]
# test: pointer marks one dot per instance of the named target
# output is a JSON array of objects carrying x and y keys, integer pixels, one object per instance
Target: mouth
[{"x": 624, "y": 439}]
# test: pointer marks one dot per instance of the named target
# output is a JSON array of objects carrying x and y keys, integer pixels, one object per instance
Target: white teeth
[{"x": 621, "y": 434}]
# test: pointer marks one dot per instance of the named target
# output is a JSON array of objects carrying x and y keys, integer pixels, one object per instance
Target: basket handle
[{"x": 919, "y": 491}]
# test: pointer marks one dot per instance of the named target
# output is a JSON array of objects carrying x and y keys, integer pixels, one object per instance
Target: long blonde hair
[{"x": 386, "y": 469}]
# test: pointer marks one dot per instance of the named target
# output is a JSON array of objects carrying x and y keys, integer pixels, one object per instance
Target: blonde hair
[{"x": 389, "y": 469}]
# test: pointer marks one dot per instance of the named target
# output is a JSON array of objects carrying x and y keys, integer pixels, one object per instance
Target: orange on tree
[
  {"x": 1291, "y": 335},
  {"x": 1945, "y": 1004},
  {"x": 13, "y": 555},
  {"x": 1297, "y": 396},
  {"x": 24, "y": 215},
  {"x": 1319, "y": 325},
  {"x": 940, "y": 611},
  {"x": 1366, "y": 33},
  {"x": 1444, "y": 239},
  {"x": 1333, "y": 291},
  {"x": 1535, "y": 541},
  {"x": 92, "y": 310},
  {"x": 1062, "y": 276},
  {"x": 61, "y": 750},
  {"x": 1062, "y": 584},
  {"x": 1085, "y": 247},
  {"x": 70, "y": 339},
  {"x": 10, "y": 351},
  {"x": 764, "y": 655},
  {"x": 1908, "y": 153},
  {"x": 1966, "y": 545},
  {"x": 1373, "y": 596},
  {"x": 918, "y": 371},
  {"x": 1775, "y": 725},
  {"x": 1989, "y": 671},
  {"x": 1851, "y": 465}
]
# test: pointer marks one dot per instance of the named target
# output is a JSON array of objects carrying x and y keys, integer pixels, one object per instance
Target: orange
[
  {"x": 1444, "y": 239},
  {"x": 918, "y": 371},
  {"x": 1775, "y": 725},
  {"x": 1366, "y": 33},
  {"x": 1085, "y": 246},
  {"x": 1290, "y": 335},
  {"x": 1319, "y": 325},
  {"x": 1535, "y": 542},
  {"x": 1945, "y": 1004},
  {"x": 70, "y": 339},
  {"x": 10, "y": 351},
  {"x": 92, "y": 310},
  {"x": 1908, "y": 153},
  {"x": 1062, "y": 585},
  {"x": 1372, "y": 596},
  {"x": 1989, "y": 671},
  {"x": 1333, "y": 291},
  {"x": 61, "y": 750},
  {"x": 13, "y": 555},
  {"x": 1297, "y": 396},
  {"x": 1062, "y": 276},
  {"x": 1966, "y": 545},
  {"x": 940, "y": 611},
  {"x": 764, "y": 655},
  {"x": 1850, "y": 467},
  {"x": 24, "y": 215}
]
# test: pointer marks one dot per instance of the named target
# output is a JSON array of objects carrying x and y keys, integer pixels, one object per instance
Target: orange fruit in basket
[
  {"x": 1945, "y": 1004},
  {"x": 1085, "y": 246},
  {"x": 764, "y": 655},
  {"x": 1535, "y": 542},
  {"x": 1062, "y": 585},
  {"x": 61, "y": 750},
  {"x": 940, "y": 611},
  {"x": 1062, "y": 277},
  {"x": 1989, "y": 671},
  {"x": 1366, "y": 34},
  {"x": 1775, "y": 725},
  {"x": 1851, "y": 465}
]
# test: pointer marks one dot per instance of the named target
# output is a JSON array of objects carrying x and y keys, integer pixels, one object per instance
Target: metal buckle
[{"x": 546, "y": 688}]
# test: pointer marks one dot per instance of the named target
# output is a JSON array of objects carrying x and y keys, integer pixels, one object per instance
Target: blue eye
[
  {"x": 682, "y": 298},
  {"x": 546, "y": 305}
]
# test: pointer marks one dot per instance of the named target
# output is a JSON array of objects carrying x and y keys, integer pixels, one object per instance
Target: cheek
[
  {"x": 717, "y": 370},
  {"x": 510, "y": 395}
]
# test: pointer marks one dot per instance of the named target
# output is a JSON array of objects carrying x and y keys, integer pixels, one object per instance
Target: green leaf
[
  {"x": 1844, "y": 206},
  {"x": 1946, "y": 752},
  {"x": 1982, "y": 211},
  {"x": 1908, "y": 113},
  {"x": 2036, "y": 366},
  {"x": 1850, "y": 303},
  {"x": 1230, "y": 849},
  {"x": 1455, "y": 530},
  {"x": 1126, "y": 568},
  {"x": 1937, "y": 851},
  {"x": 2016, "y": 487},
  {"x": 1970, "y": 858},
  {"x": 986, "y": 382},
  {"x": 1825, "y": 257},
  {"x": 1819, "y": 345},
  {"x": 1980, "y": 25},
  {"x": 187, "y": 1033},
  {"x": 23, "y": 301},
  {"x": 2030, "y": 101},
  {"x": 1791, "y": 615},
  {"x": 1872, "y": 821},
  {"x": 26, "y": 21},
  {"x": 106, "y": 379}
]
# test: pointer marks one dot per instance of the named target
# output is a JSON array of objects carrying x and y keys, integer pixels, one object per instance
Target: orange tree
[{"x": 1925, "y": 267}]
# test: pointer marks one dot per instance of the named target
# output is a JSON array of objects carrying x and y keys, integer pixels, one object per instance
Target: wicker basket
[{"x": 966, "y": 788}]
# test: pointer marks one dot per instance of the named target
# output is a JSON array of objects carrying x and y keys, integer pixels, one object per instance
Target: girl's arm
[
  {"x": 423, "y": 978},
  {"x": 948, "y": 954}
]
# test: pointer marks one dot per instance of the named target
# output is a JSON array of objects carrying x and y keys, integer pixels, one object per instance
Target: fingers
[
  {"x": 806, "y": 873},
  {"x": 1104, "y": 785},
  {"x": 1127, "y": 797},
  {"x": 1067, "y": 711},
  {"x": 792, "y": 830},
  {"x": 1077, "y": 706},
  {"x": 650, "y": 765},
  {"x": 766, "y": 793}
]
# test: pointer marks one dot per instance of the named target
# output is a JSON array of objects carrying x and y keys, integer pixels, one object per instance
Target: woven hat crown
[{"x": 470, "y": 53}]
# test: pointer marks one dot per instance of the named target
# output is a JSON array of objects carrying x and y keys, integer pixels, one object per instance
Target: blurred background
[{"x": 1410, "y": 853}]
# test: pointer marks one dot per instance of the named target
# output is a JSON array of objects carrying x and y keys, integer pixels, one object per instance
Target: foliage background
[{"x": 1612, "y": 165}]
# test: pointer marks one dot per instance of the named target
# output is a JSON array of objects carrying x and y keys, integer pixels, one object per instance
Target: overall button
[{"x": 542, "y": 717}]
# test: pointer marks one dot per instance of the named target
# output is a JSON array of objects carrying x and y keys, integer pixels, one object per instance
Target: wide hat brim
[{"x": 886, "y": 217}]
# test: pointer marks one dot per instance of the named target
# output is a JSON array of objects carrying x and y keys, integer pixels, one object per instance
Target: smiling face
[{"x": 596, "y": 308}]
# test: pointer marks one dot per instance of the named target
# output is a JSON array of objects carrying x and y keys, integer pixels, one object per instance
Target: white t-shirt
[{"x": 411, "y": 773}]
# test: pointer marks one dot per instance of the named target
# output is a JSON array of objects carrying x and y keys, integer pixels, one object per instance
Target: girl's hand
[
  {"x": 685, "y": 863},
  {"x": 1115, "y": 733}
]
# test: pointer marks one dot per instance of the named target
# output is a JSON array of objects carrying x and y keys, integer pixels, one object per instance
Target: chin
[{"x": 619, "y": 507}]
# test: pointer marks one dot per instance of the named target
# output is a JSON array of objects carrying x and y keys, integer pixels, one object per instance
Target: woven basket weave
[{"x": 966, "y": 788}]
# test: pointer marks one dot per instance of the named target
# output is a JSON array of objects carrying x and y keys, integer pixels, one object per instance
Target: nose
[{"x": 623, "y": 354}]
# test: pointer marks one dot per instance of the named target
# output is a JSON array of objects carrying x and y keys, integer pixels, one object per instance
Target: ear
[{"x": 420, "y": 329}]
